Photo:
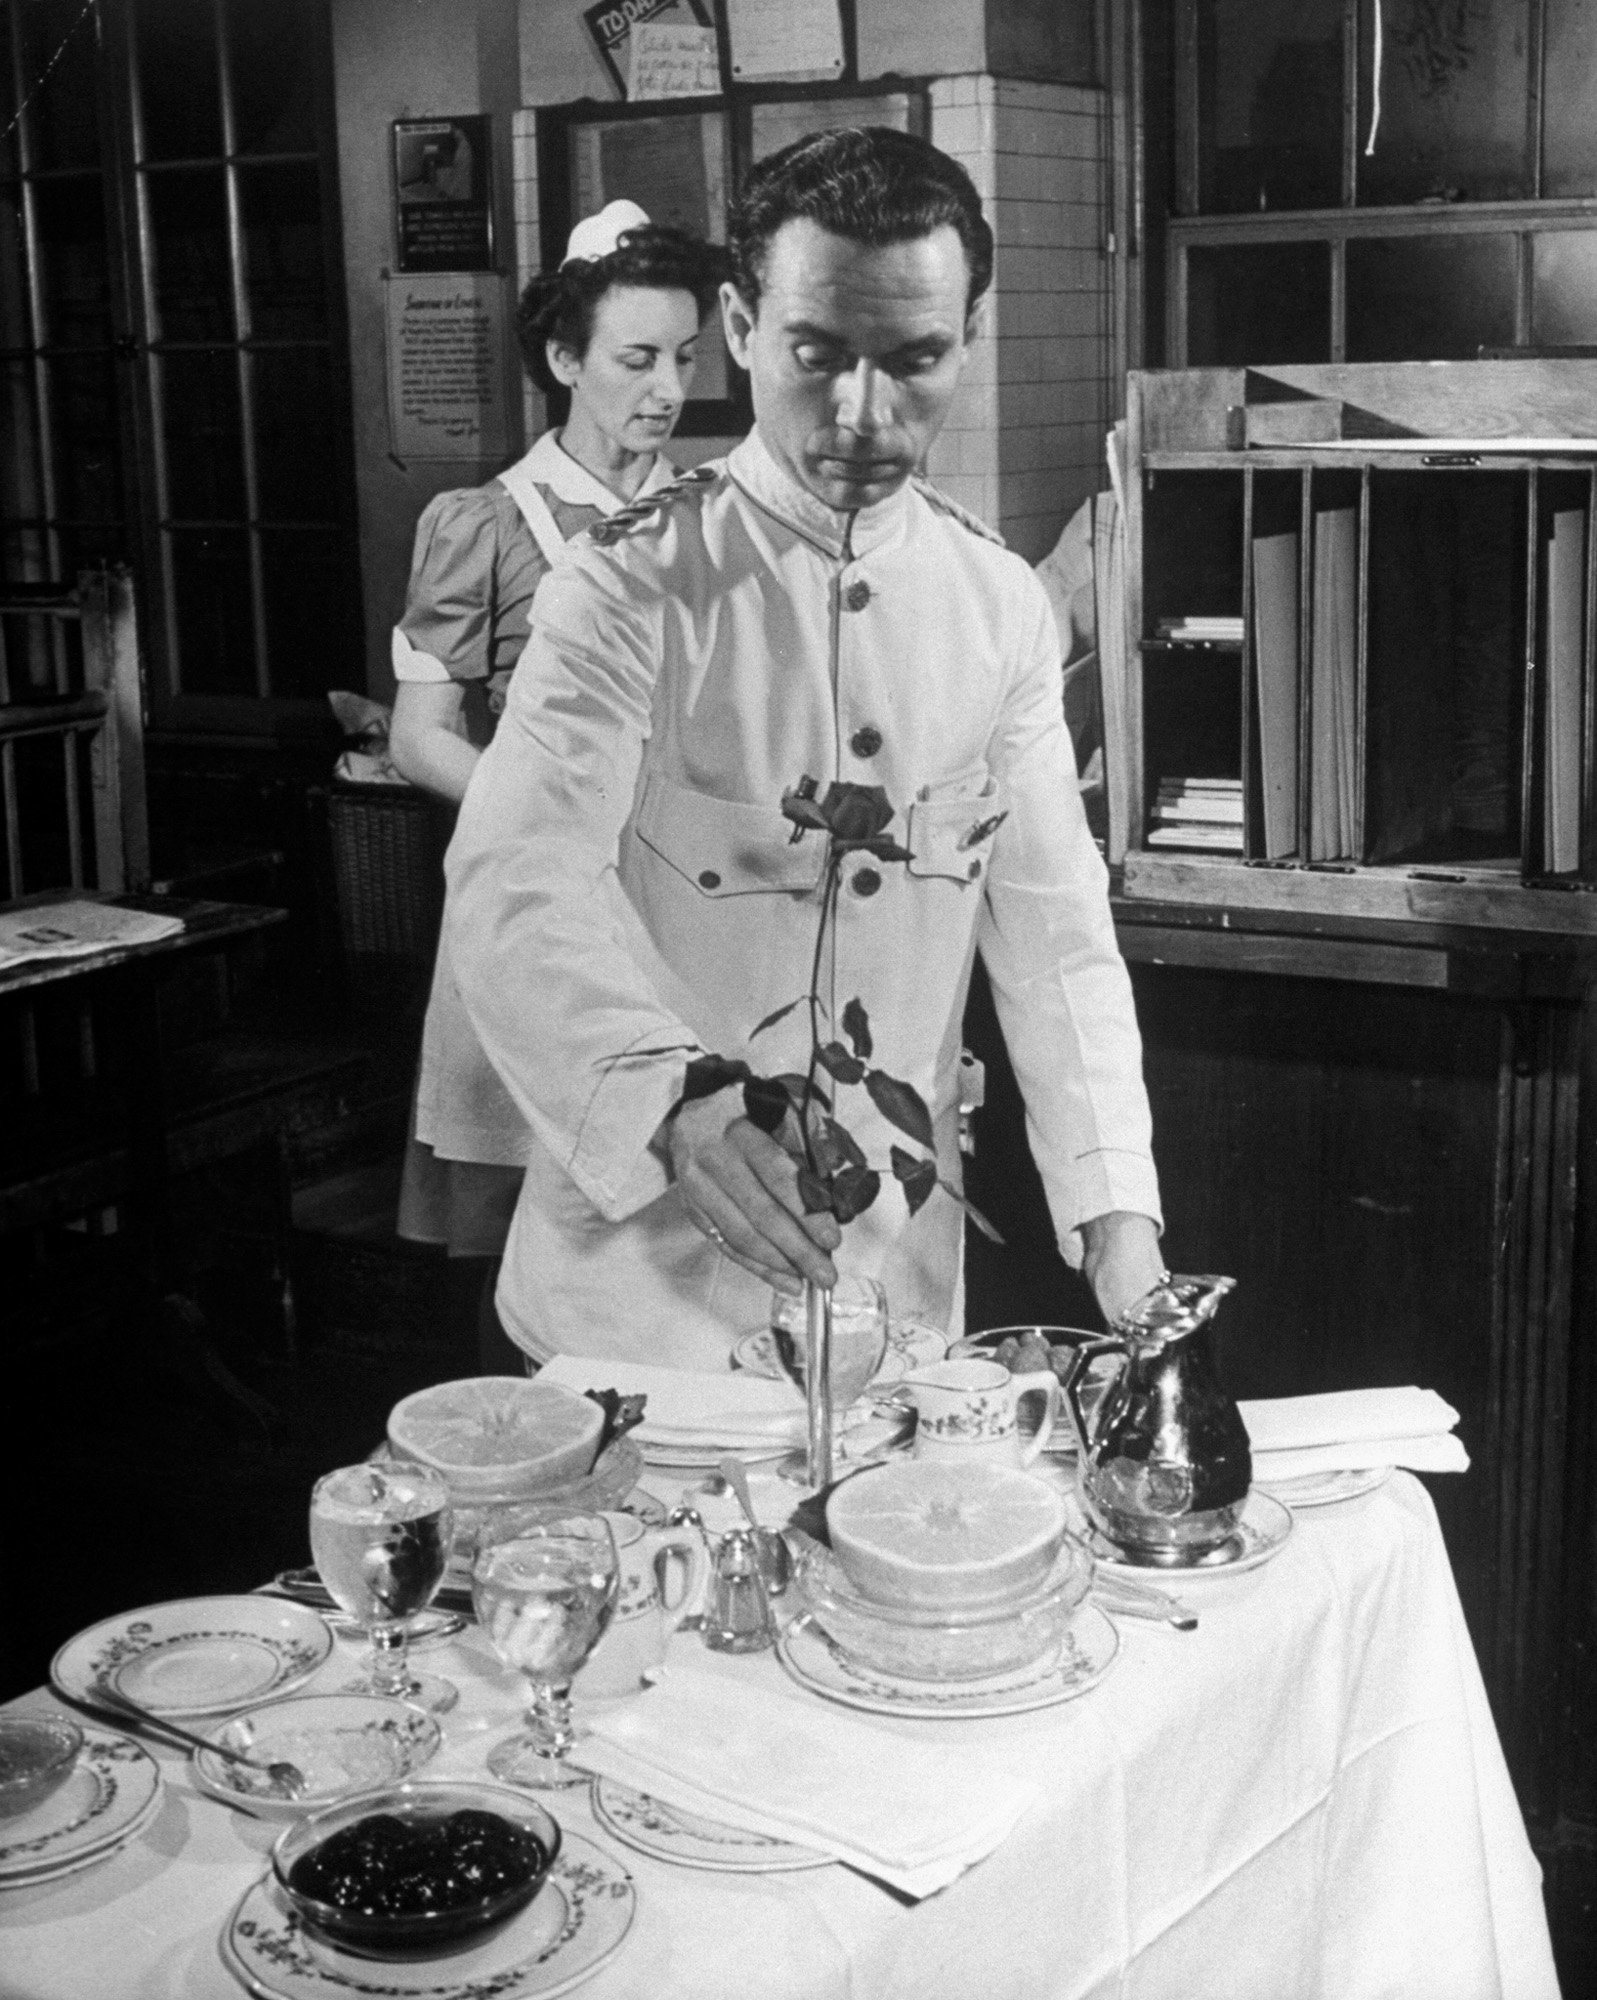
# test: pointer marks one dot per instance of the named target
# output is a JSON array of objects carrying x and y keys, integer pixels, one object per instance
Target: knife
[{"x": 305, "y": 1586}]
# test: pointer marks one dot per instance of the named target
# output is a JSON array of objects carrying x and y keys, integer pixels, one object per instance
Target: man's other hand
[
  {"x": 741, "y": 1189},
  {"x": 1122, "y": 1259}
]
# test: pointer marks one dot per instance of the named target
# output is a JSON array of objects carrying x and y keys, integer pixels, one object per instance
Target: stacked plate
[{"x": 112, "y": 1793}]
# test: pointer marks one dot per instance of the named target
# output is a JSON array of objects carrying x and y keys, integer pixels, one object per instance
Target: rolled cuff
[
  {"x": 410, "y": 664},
  {"x": 1104, "y": 1182}
]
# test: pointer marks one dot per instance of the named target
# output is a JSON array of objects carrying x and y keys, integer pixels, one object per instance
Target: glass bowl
[
  {"x": 403, "y": 1814},
  {"x": 342, "y": 1743},
  {"x": 37, "y": 1753},
  {"x": 932, "y": 1643},
  {"x": 616, "y": 1471}
]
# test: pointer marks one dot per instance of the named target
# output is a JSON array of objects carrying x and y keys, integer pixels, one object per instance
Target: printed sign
[
  {"x": 446, "y": 367},
  {"x": 610, "y": 23},
  {"x": 443, "y": 210}
]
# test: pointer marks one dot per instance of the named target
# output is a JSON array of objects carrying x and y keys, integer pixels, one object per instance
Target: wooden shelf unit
[{"x": 1417, "y": 542}]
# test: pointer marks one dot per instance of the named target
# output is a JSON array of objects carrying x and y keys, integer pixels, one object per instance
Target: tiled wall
[{"x": 1024, "y": 444}]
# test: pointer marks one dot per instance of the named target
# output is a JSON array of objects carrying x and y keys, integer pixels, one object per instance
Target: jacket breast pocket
[
  {"x": 952, "y": 838},
  {"x": 725, "y": 848}
]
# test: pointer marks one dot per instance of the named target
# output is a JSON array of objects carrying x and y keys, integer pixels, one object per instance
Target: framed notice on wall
[
  {"x": 443, "y": 198},
  {"x": 446, "y": 367}
]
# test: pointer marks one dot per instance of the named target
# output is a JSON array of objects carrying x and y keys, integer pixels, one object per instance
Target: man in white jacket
[{"x": 624, "y": 888}]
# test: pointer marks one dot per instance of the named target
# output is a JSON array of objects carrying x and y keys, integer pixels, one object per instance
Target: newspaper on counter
[{"x": 75, "y": 929}]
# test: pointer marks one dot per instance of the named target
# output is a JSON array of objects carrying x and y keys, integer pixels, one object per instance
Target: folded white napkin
[
  {"x": 1294, "y": 1436},
  {"x": 687, "y": 1406},
  {"x": 777, "y": 1761}
]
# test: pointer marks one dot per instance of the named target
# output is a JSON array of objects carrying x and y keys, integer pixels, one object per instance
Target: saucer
[
  {"x": 1084, "y": 1656},
  {"x": 1324, "y": 1489},
  {"x": 576, "y": 1921},
  {"x": 669, "y": 1834},
  {"x": 341, "y": 1743},
  {"x": 1262, "y": 1528},
  {"x": 113, "y": 1790},
  {"x": 909, "y": 1346},
  {"x": 196, "y": 1656}
]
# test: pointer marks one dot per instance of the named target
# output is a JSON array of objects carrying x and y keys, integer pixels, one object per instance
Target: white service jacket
[{"x": 622, "y": 882}]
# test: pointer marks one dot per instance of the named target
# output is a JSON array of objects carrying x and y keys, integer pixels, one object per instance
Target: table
[{"x": 1305, "y": 1797}]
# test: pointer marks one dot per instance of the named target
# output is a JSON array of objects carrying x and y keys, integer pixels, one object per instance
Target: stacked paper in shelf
[
  {"x": 76, "y": 929},
  {"x": 1201, "y": 631},
  {"x": 1275, "y": 646},
  {"x": 1333, "y": 677},
  {"x": 1566, "y": 577},
  {"x": 1198, "y": 812}
]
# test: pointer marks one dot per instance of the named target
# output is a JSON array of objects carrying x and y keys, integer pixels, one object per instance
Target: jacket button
[
  {"x": 865, "y": 882},
  {"x": 865, "y": 742},
  {"x": 858, "y": 595},
  {"x": 708, "y": 879}
]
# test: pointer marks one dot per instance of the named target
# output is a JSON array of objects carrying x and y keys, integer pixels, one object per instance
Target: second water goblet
[
  {"x": 381, "y": 1537},
  {"x": 859, "y": 1341},
  {"x": 544, "y": 1586}
]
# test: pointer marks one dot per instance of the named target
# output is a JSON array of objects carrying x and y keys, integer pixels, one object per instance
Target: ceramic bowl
[
  {"x": 405, "y": 1813},
  {"x": 342, "y": 1743},
  {"x": 37, "y": 1753},
  {"x": 924, "y": 1644}
]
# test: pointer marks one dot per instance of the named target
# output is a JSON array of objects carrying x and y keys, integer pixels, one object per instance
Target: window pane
[
  {"x": 215, "y": 649},
  {"x": 1429, "y": 298},
  {"x": 73, "y": 262},
  {"x": 15, "y": 329},
  {"x": 674, "y": 167},
  {"x": 175, "y": 42},
  {"x": 88, "y": 443},
  {"x": 296, "y": 435},
  {"x": 311, "y": 617},
  {"x": 283, "y": 250},
  {"x": 1270, "y": 104},
  {"x": 1454, "y": 94},
  {"x": 204, "y": 436},
  {"x": 778, "y": 125},
  {"x": 1564, "y": 287},
  {"x": 1258, "y": 302},
  {"x": 19, "y": 462},
  {"x": 273, "y": 51},
  {"x": 193, "y": 289},
  {"x": 63, "y": 113},
  {"x": 1569, "y": 143}
]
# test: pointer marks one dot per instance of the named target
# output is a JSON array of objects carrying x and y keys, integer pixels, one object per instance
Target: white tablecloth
[{"x": 1305, "y": 1797}]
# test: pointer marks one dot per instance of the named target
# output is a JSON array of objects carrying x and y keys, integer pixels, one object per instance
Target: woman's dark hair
[
  {"x": 560, "y": 305},
  {"x": 867, "y": 183}
]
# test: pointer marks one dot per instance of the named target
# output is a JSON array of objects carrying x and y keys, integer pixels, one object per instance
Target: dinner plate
[
  {"x": 909, "y": 1346},
  {"x": 196, "y": 1656},
  {"x": 669, "y": 1834},
  {"x": 576, "y": 1922},
  {"x": 1324, "y": 1489},
  {"x": 1084, "y": 1656},
  {"x": 1262, "y": 1527},
  {"x": 341, "y": 1743},
  {"x": 113, "y": 1790}
]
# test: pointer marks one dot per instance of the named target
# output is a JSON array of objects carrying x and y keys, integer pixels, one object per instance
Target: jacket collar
[{"x": 842, "y": 536}]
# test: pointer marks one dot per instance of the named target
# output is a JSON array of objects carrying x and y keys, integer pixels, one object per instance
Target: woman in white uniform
[{"x": 616, "y": 326}]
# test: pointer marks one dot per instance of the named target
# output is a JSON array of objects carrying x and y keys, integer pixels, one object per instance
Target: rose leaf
[{"x": 901, "y": 1105}]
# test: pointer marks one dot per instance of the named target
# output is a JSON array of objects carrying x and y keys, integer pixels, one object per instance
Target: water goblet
[
  {"x": 859, "y": 1341},
  {"x": 544, "y": 1586},
  {"x": 381, "y": 1537}
]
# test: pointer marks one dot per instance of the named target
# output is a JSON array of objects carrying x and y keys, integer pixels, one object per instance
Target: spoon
[
  {"x": 776, "y": 1562},
  {"x": 287, "y": 1779}
]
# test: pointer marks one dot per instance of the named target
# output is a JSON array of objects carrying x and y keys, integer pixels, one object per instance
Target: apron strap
[{"x": 535, "y": 512}]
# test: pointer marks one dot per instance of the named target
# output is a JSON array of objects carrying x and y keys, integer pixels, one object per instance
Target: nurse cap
[{"x": 598, "y": 235}]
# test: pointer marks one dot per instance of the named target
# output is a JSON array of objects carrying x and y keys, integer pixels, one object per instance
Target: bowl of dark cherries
[{"x": 417, "y": 1867}]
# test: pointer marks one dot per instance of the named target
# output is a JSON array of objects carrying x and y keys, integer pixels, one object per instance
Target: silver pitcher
[{"x": 1163, "y": 1461}]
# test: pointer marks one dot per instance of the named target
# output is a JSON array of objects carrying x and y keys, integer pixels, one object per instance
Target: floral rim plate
[
  {"x": 909, "y": 1346},
  {"x": 1085, "y": 1655},
  {"x": 1324, "y": 1489},
  {"x": 1264, "y": 1525},
  {"x": 669, "y": 1834},
  {"x": 341, "y": 1742},
  {"x": 113, "y": 1789},
  {"x": 196, "y": 1656},
  {"x": 576, "y": 1921}
]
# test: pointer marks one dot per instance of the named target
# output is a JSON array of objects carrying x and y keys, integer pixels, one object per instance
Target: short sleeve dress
[{"x": 480, "y": 554}]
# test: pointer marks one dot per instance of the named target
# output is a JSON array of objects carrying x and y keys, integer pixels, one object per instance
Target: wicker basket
[{"x": 388, "y": 845}]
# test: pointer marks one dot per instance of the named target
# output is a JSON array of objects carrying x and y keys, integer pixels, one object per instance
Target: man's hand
[
  {"x": 1123, "y": 1259},
  {"x": 741, "y": 1189}
]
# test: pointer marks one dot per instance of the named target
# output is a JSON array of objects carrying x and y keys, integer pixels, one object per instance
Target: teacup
[
  {"x": 965, "y": 1411},
  {"x": 633, "y": 1646}
]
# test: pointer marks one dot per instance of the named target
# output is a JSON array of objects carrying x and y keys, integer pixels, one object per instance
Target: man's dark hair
[
  {"x": 560, "y": 305},
  {"x": 867, "y": 183}
]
